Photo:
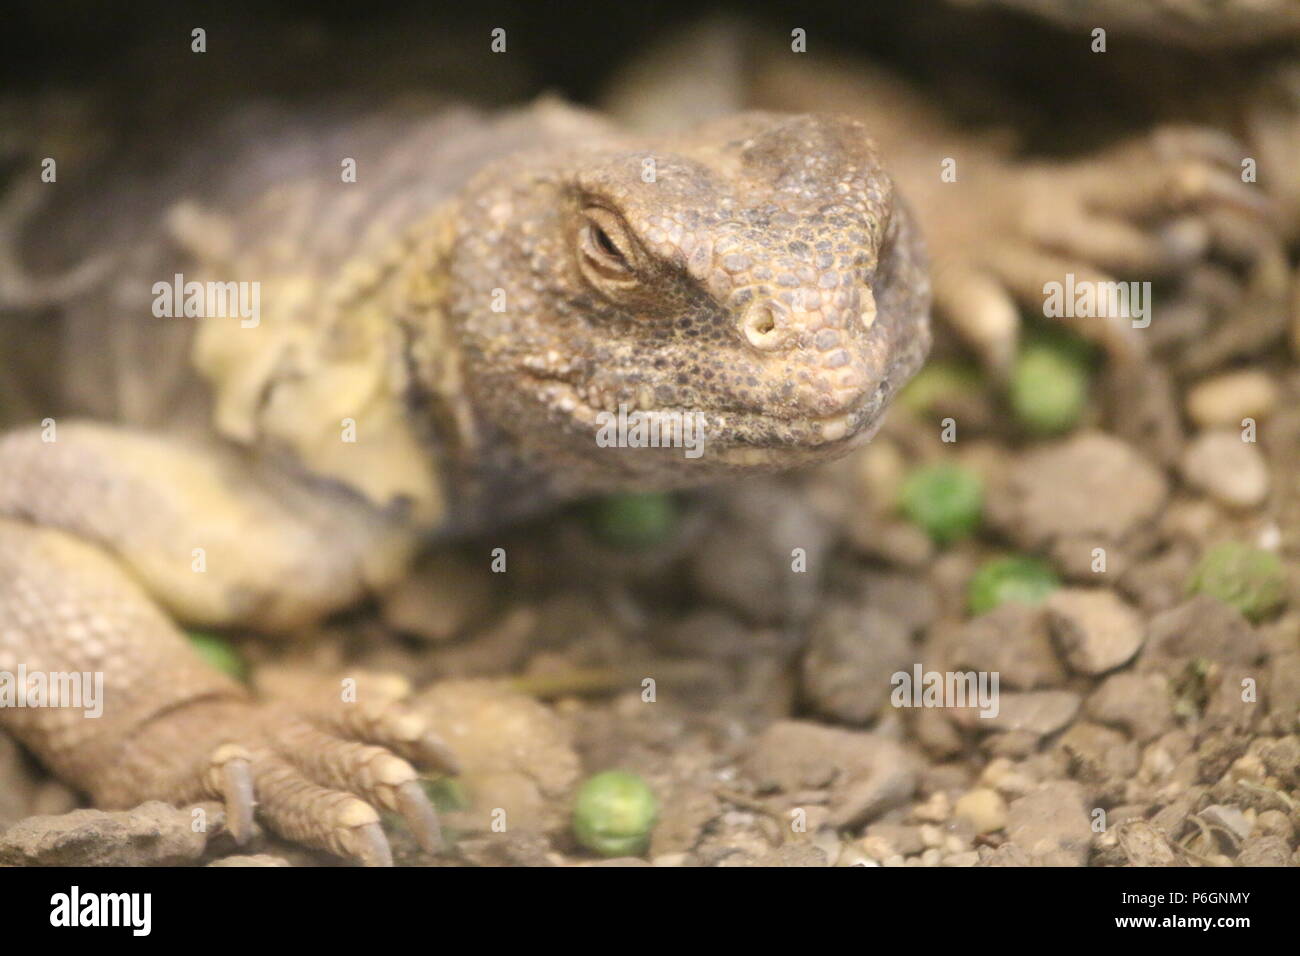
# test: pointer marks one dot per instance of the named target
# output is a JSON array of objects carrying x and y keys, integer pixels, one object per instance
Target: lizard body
[{"x": 465, "y": 311}]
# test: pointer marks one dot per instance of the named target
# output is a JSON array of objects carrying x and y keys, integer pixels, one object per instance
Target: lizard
[{"x": 433, "y": 350}]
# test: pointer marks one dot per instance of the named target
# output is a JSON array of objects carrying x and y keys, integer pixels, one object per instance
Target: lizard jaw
[{"x": 777, "y": 442}]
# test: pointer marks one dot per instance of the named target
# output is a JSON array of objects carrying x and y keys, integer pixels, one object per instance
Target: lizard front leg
[{"x": 99, "y": 532}]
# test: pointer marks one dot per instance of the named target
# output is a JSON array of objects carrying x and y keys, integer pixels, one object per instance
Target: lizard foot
[
  {"x": 1159, "y": 207},
  {"x": 314, "y": 776}
]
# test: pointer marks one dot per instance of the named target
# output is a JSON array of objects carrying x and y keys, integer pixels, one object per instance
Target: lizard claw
[
  {"x": 317, "y": 776},
  {"x": 236, "y": 791}
]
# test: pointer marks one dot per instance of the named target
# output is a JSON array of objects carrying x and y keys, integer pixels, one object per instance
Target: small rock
[
  {"x": 1144, "y": 845},
  {"x": 1225, "y": 400},
  {"x": 1040, "y": 712},
  {"x": 936, "y": 734},
  {"x": 1051, "y": 824},
  {"x": 515, "y": 753},
  {"x": 1102, "y": 758},
  {"x": 152, "y": 834},
  {"x": 258, "y": 859},
  {"x": 1088, "y": 488},
  {"x": 1140, "y": 703},
  {"x": 984, "y": 808},
  {"x": 1275, "y": 823},
  {"x": 1016, "y": 744},
  {"x": 1283, "y": 690},
  {"x": 852, "y": 651},
  {"x": 1282, "y": 758},
  {"x": 1013, "y": 640},
  {"x": 908, "y": 598},
  {"x": 1264, "y": 850},
  {"x": 1009, "y": 854},
  {"x": 1228, "y": 469},
  {"x": 884, "y": 840},
  {"x": 866, "y": 774},
  {"x": 1095, "y": 630},
  {"x": 1200, "y": 628},
  {"x": 935, "y": 809},
  {"x": 1229, "y": 818}
]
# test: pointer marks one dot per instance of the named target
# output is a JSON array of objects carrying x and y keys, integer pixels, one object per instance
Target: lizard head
[{"x": 755, "y": 280}]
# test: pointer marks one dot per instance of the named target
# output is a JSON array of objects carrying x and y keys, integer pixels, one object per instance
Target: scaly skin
[{"x": 468, "y": 305}]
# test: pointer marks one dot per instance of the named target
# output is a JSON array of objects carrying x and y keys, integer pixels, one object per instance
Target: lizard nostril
[{"x": 760, "y": 327}]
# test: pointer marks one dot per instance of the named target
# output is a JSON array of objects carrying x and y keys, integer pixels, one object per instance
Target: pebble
[
  {"x": 936, "y": 809},
  {"x": 885, "y": 839},
  {"x": 1201, "y": 627},
  {"x": 1139, "y": 703},
  {"x": 1091, "y": 486},
  {"x": 1229, "y": 818},
  {"x": 1095, "y": 630},
  {"x": 514, "y": 751},
  {"x": 1099, "y": 755},
  {"x": 1275, "y": 823},
  {"x": 852, "y": 651},
  {"x": 1039, "y": 712},
  {"x": 1007, "y": 777},
  {"x": 983, "y": 808},
  {"x": 1144, "y": 845},
  {"x": 1051, "y": 824},
  {"x": 1230, "y": 470},
  {"x": 1265, "y": 850},
  {"x": 257, "y": 859},
  {"x": 931, "y": 835},
  {"x": 1282, "y": 758},
  {"x": 1227, "y": 399},
  {"x": 1013, "y": 640},
  {"x": 866, "y": 774},
  {"x": 152, "y": 834}
]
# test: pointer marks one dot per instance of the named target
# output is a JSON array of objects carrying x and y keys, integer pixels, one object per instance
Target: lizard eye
[{"x": 601, "y": 243}]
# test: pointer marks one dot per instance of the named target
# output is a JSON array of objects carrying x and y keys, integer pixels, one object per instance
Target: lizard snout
[{"x": 815, "y": 343}]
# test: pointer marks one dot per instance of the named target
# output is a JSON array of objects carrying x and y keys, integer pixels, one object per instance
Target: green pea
[
  {"x": 634, "y": 521},
  {"x": 614, "y": 814},
  {"x": 1017, "y": 578},
  {"x": 1049, "y": 387},
  {"x": 1250, "y": 579},
  {"x": 946, "y": 500}
]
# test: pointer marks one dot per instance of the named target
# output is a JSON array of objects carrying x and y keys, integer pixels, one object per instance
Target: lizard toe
[
  {"x": 396, "y": 727},
  {"x": 371, "y": 772},
  {"x": 299, "y": 809}
]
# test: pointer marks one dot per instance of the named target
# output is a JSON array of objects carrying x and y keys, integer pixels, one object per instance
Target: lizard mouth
[{"x": 732, "y": 435}]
